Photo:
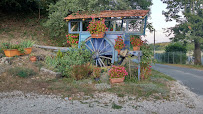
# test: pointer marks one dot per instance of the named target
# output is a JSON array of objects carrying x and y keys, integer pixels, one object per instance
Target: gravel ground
[{"x": 181, "y": 101}]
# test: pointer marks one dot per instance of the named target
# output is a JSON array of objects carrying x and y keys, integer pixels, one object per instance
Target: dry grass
[
  {"x": 17, "y": 29},
  {"x": 187, "y": 66}
]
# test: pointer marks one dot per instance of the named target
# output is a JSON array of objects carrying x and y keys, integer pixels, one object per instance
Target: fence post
[
  {"x": 173, "y": 57},
  {"x": 164, "y": 57},
  {"x": 180, "y": 57},
  {"x": 168, "y": 57}
]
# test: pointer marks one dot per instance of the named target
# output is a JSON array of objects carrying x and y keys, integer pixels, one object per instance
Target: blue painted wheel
[{"x": 102, "y": 50}]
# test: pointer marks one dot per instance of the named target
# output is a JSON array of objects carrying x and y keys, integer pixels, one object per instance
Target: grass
[
  {"x": 21, "y": 72},
  {"x": 198, "y": 67},
  {"x": 156, "y": 84},
  {"x": 115, "y": 106},
  {"x": 29, "y": 27}
]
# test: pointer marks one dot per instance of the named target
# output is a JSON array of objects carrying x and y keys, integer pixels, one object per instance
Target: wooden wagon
[{"x": 120, "y": 23}]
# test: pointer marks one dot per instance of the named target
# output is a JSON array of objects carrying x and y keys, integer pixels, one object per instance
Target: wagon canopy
[{"x": 109, "y": 13}]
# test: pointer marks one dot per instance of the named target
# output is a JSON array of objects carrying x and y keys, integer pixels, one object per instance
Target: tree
[
  {"x": 62, "y": 8},
  {"x": 191, "y": 26},
  {"x": 176, "y": 47},
  {"x": 24, "y": 6}
]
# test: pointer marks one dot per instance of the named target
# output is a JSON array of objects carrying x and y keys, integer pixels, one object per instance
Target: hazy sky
[{"x": 158, "y": 21}]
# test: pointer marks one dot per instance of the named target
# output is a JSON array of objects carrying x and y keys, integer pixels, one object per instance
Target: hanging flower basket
[
  {"x": 97, "y": 28},
  {"x": 101, "y": 35},
  {"x": 136, "y": 48},
  {"x": 118, "y": 50}
]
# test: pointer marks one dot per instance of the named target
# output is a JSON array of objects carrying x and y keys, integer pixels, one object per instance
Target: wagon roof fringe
[{"x": 108, "y": 13}]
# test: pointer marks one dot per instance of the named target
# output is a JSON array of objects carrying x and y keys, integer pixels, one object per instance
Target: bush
[
  {"x": 70, "y": 59},
  {"x": 176, "y": 47},
  {"x": 21, "y": 72},
  {"x": 81, "y": 72}
]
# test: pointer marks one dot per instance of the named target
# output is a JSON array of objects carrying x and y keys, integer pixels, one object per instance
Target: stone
[
  {"x": 1, "y": 55},
  {"x": 55, "y": 74},
  {"x": 40, "y": 57},
  {"x": 6, "y": 60},
  {"x": 102, "y": 86}
]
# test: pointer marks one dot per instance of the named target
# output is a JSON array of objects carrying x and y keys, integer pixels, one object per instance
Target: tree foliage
[
  {"x": 191, "y": 25},
  {"x": 176, "y": 47},
  {"x": 62, "y": 8},
  {"x": 24, "y": 6}
]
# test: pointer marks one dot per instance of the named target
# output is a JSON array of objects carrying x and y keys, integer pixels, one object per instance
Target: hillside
[
  {"x": 160, "y": 46},
  {"x": 18, "y": 28}
]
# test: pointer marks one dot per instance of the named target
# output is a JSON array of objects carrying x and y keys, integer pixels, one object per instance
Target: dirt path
[{"x": 181, "y": 101}]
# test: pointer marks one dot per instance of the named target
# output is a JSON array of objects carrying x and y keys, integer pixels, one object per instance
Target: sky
[{"x": 158, "y": 22}]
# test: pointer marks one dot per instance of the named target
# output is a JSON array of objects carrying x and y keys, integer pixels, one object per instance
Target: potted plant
[
  {"x": 72, "y": 40},
  {"x": 117, "y": 74},
  {"x": 97, "y": 28},
  {"x": 96, "y": 73},
  {"x": 136, "y": 43},
  {"x": 11, "y": 50},
  {"x": 119, "y": 44},
  {"x": 33, "y": 58},
  {"x": 27, "y": 45}
]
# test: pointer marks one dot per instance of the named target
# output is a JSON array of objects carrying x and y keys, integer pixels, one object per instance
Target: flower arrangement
[
  {"x": 136, "y": 41},
  {"x": 97, "y": 27},
  {"x": 119, "y": 44},
  {"x": 72, "y": 39},
  {"x": 117, "y": 72}
]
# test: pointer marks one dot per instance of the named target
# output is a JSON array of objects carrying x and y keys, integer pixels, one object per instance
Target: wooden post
[
  {"x": 168, "y": 57},
  {"x": 180, "y": 57},
  {"x": 173, "y": 57},
  {"x": 130, "y": 68}
]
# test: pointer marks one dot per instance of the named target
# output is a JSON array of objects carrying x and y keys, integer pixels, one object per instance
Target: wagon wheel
[{"x": 102, "y": 50}]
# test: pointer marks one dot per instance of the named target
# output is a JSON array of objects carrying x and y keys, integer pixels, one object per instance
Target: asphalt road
[{"x": 191, "y": 78}]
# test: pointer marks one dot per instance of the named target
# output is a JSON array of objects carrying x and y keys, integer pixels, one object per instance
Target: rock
[
  {"x": 6, "y": 60},
  {"x": 1, "y": 55},
  {"x": 102, "y": 86},
  {"x": 55, "y": 74},
  {"x": 40, "y": 57}
]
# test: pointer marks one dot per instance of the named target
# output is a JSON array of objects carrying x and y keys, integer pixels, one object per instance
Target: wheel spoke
[
  {"x": 105, "y": 52},
  {"x": 102, "y": 62},
  {"x": 105, "y": 57},
  {"x": 92, "y": 45},
  {"x": 89, "y": 47},
  {"x": 101, "y": 44},
  {"x": 104, "y": 48},
  {"x": 96, "y": 62}
]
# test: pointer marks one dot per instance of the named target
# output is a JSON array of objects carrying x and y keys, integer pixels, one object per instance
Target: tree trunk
[{"x": 197, "y": 53}]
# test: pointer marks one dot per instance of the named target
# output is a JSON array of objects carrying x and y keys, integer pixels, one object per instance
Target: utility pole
[{"x": 154, "y": 43}]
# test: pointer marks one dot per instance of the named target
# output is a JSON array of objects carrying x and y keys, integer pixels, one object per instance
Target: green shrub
[
  {"x": 27, "y": 43},
  {"x": 176, "y": 47},
  {"x": 52, "y": 62},
  {"x": 73, "y": 57},
  {"x": 21, "y": 72},
  {"x": 76, "y": 56}
]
